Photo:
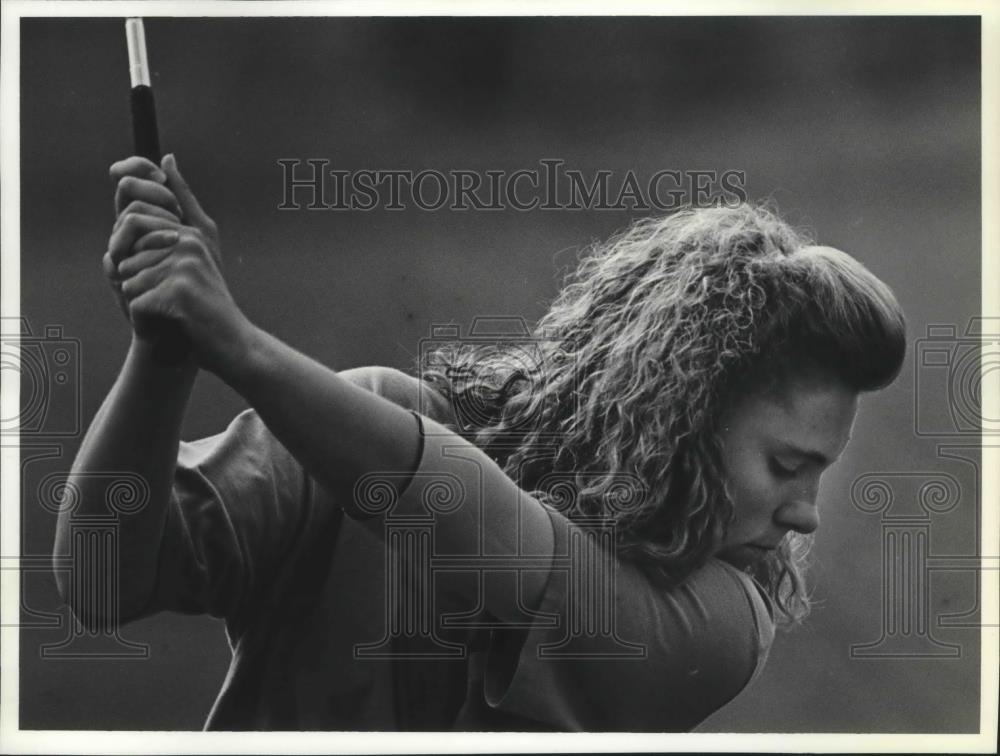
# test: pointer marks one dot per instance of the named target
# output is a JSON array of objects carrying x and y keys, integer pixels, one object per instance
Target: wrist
[
  {"x": 238, "y": 362},
  {"x": 142, "y": 353},
  {"x": 169, "y": 385}
]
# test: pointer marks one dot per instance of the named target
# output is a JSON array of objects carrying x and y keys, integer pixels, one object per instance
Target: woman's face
[{"x": 775, "y": 447}]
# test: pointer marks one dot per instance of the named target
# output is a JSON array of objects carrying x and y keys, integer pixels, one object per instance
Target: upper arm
[
  {"x": 641, "y": 659},
  {"x": 609, "y": 649},
  {"x": 241, "y": 503},
  {"x": 471, "y": 509}
]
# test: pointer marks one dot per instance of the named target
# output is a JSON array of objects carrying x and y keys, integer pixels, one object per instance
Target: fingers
[
  {"x": 137, "y": 178},
  {"x": 136, "y": 166},
  {"x": 141, "y": 185},
  {"x": 148, "y": 258},
  {"x": 192, "y": 212},
  {"x": 153, "y": 249},
  {"x": 147, "y": 279},
  {"x": 110, "y": 267},
  {"x": 130, "y": 230},
  {"x": 138, "y": 207},
  {"x": 159, "y": 242},
  {"x": 161, "y": 238},
  {"x": 133, "y": 188}
]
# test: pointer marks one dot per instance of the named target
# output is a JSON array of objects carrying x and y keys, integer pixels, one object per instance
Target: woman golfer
[{"x": 456, "y": 551}]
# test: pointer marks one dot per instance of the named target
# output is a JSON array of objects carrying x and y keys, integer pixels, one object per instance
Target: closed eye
[{"x": 780, "y": 470}]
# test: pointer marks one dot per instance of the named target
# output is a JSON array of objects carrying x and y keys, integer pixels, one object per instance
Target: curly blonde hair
[{"x": 652, "y": 338}]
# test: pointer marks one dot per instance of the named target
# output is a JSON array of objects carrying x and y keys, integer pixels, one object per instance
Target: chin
[{"x": 744, "y": 556}]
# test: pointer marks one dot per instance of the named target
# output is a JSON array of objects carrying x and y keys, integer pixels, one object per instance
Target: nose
[{"x": 799, "y": 514}]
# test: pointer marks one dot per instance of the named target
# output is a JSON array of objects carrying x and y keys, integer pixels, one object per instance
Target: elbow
[
  {"x": 88, "y": 583},
  {"x": 90, "y": 604},
  {"x": 77, "y": 581},
  {"x": 61, "y": 561},
  {"x": 62, "y": 584}
]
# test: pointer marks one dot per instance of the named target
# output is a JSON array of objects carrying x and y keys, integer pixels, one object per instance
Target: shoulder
[{"x": 402, "y": 389}]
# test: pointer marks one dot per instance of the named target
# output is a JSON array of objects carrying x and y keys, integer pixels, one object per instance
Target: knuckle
[
  {"x": 191, "y": 244},
  {"x": 136, "y": 207},
  {"x": 187, "y": 267},
  {"x": 117, "y": 249},
  {"x": 130, "y": 224},
  {"x": 184, "y": 244}
]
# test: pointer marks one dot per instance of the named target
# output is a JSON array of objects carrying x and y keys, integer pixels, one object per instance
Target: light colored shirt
[{"x": 338, "y": 623}]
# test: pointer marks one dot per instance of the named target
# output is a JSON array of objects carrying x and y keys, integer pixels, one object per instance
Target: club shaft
[{"x": 145, "y": 134}]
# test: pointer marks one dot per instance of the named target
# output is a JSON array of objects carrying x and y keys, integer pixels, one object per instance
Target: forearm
[
  {"x": 337, "y": 430},
  {"x": 135, "y": 432},
  {"x": 340, "y": 432}
]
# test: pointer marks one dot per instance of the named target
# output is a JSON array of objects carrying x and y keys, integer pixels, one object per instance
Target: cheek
[{"x": 751, "y": 488}]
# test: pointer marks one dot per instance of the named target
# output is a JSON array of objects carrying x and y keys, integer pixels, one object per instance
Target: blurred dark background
[{"x": 865, "y": 130}]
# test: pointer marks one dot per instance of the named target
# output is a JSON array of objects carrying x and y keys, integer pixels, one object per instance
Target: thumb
[{"x": 192, "y": 211}]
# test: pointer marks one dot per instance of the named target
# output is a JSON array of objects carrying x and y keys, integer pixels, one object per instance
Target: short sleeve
[
  {"x": 642, "y": 658},
  {"x": 609, "y": 649},
  {"x": 239, "y": 502}
]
